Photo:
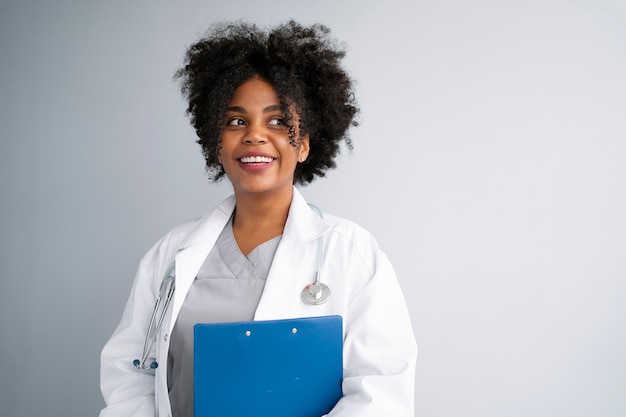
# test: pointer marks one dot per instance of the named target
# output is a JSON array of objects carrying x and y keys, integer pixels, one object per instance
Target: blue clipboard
[{"x": 278, "y": 368}]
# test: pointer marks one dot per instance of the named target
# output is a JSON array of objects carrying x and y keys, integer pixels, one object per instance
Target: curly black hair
[{"x": 303, "y": 65}]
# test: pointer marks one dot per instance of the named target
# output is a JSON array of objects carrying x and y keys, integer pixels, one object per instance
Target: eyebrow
[{"x": 268, "y": 109}]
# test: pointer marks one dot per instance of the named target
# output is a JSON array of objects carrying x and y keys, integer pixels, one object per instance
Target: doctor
[{"x": 270, "y": 108}]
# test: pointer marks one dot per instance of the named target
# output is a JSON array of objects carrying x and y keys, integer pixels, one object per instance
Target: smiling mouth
[{"x": 256, "y": 159}]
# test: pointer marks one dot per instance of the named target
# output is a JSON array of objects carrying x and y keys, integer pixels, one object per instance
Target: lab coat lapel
[
  {"x": 194, "y": 251},
  {"x": 293, "y": 264}
]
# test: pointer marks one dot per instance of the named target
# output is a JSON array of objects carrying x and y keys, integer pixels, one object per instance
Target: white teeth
[{"x": 255, "y": 159}]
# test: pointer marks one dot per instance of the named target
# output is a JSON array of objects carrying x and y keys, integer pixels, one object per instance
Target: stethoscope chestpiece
[{"x": 315, "y": 293}]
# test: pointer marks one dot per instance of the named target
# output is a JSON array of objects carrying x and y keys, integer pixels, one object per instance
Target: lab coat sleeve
[
  {"x": 126, "y": 391},
  {"x": 380, "y": 351}
]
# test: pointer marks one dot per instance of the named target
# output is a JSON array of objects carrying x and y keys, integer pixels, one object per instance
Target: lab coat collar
[{"x": 303, "y": 223}]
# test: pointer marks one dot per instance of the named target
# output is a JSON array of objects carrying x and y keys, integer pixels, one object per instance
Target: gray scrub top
[{"x": 227, "y": 289}]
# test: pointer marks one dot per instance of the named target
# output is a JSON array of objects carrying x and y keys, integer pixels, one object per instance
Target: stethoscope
[
  {"x": 166, "y": 292},
  {"x": 316, "y": 293}
]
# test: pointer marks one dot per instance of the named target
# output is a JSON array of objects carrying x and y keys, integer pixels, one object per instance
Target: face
[{"x": 255, "y": 150}]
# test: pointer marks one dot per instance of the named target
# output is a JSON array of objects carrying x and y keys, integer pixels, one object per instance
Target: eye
[
  {"x": 236, "y": 121},
  {"x": 277, "y": 121}
]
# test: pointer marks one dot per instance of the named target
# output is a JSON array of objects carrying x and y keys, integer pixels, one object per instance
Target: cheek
[{"x": 225, "y": 145}]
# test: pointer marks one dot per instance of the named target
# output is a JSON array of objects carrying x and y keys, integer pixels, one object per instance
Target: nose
[{"x": 255, "y": 135}]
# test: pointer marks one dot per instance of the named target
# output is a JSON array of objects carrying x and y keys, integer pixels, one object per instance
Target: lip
[{"x": 255, "y": 166}]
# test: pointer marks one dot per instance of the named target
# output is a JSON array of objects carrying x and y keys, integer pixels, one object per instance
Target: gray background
[{"x": 490, "y": 165}]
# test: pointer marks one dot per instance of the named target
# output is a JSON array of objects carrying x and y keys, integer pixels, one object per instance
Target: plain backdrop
[{"x": 490, "y": 164}]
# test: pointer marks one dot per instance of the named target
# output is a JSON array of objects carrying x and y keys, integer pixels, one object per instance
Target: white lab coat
[{"x": 379, "y": 346}]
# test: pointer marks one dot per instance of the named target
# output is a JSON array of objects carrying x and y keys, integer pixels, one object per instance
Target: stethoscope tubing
[{"x": 166, "y": 289}]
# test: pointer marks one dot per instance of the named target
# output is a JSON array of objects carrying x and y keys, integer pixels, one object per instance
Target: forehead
[{"x": 254, "y": 92}]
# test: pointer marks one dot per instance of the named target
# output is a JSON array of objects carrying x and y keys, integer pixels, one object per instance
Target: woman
[{"x": 270, "y": 109}]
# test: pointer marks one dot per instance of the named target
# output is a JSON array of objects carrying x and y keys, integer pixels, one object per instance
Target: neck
[{"x": 259, "y": 217}]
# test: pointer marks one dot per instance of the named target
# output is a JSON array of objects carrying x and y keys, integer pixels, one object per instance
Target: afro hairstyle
[{"x": 302, "y": 64}]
